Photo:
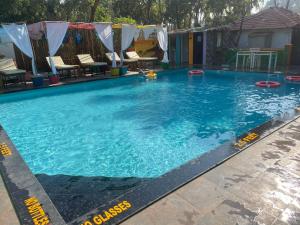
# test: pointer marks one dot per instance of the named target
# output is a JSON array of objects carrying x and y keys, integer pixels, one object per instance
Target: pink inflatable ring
[
  {"x": 196, "y": 72},
  {"x": 268, "y": 84},
  {"x": 293, "y": 78}
]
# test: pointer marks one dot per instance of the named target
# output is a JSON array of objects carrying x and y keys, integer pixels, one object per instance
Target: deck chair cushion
[
  {"x": 13, "y": 72},
  {"x": 8, "y": 68},
  {"x": 109, "y": 55},
  {"x": 130, "y": 60},
  {"x": 7, "y": 64},
  {"x": 59, "y": 63},
  {"x": 87, "y": 60},
  {"x": 134, "y": 55}
]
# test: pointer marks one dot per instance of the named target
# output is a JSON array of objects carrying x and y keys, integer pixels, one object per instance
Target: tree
[
  {"x": 287, "y": 4},
  {"x": 245, "y": 9},
  {"x": 175, "y": 13},
  {"x": 293, "y": 5},
  {"x": 127, "y": 20},
  {"x": 93, "y": 10},
  {"x": 22, "y": 10}
]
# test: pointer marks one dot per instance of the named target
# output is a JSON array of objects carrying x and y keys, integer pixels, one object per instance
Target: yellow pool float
[{"x": 151, "y": 75}]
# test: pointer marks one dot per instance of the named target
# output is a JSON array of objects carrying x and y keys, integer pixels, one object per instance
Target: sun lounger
[
  {"x": 10, "y": 73},
  {"x": 130, "y": 62},
  {"x": 134, "y": 55},
  {"x": 118, "y": 59},
  {"x": 142, "y": 60},
  {"x": 61, "y": 66},
  {"x": 86, "y": 61}
]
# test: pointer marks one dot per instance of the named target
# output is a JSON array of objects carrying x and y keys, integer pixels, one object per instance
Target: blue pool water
[{"x": 130, "y": 127}]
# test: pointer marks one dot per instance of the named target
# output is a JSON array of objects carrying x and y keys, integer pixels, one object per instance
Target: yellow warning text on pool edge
[
  {"x": 107, "y": 215},
  {"x": 246, "y": 140},
  {"x": 36, "y": 211},
  {"x": 5, "y": 150}
]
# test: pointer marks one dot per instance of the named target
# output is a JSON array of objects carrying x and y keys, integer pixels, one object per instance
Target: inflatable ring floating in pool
[
  {"x": 268, "y": 84},
  {"x": 293, "y": 78},
  {"x": 196, "y": 72},
  {"x": 151, "y": 75}
]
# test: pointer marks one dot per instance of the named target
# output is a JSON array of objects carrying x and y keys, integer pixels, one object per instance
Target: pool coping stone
[
  {"x": 151, "y": 192},
  {"x": 22, "y": 185}
]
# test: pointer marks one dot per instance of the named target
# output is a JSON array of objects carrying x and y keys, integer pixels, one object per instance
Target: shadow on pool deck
[
  {"x": 74, "y": 196},
  {"x": 258, "y": 186},
  {"x": 261, "y": 185}
]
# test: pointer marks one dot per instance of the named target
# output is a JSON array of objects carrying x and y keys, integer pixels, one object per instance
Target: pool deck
[
  {"x": 261, "y": 185},
  {"x": 7, "y": 212},
  {"x": 74, "y": 80}
]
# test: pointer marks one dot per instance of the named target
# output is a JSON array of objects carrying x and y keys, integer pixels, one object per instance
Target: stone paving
[
  {"x": 261, "y": 185},
  {"x": 7, "y": 212}
]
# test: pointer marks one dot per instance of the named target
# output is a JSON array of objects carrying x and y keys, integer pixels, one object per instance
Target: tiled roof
[{"x": 271, "y": 18}]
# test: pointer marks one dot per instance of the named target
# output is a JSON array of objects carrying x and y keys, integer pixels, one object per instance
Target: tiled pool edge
[
  {"x": 22, "y": 184},
  {"x": 148, "y": 194},
  {"x": 29, "y": 199}
]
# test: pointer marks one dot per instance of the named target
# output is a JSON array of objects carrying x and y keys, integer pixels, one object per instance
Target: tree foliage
[
  {"x": 293, "y": 5},
  {"x": 175, "y": 13}
]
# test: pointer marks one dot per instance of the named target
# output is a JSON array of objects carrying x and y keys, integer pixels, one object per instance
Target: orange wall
[{"x": 146, "y": 48}]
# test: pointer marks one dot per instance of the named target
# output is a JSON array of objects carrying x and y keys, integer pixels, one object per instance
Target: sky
[{"x": 256, "y": 10}]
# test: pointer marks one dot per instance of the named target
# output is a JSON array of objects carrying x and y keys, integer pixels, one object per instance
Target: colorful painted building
[{"x": 187, "y": 47}]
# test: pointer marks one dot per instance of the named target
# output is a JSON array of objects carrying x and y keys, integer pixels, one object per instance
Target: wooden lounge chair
[
  {"x": 86, "y": 61},
  {"x": 130, "y": 62},
  {"x": 142, "y": 60},
  {"x": 61, "y": 66},
  {"x": 10, "y": 73},
  {"x": 134, "y": 55}
]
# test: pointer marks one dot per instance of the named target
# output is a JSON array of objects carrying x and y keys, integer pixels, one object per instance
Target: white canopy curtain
[
  {"x": 128, "y": 33},
  {"x": 106, "y": 35},
  {"x": 148, "y": 31},
  {"x": 56, "y": 32},
  {"x": 18, "y": 33},
  {"x": 162, "y": 36}
]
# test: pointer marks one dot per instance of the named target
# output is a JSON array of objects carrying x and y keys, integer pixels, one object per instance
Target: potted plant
[
  {"x": 37, "y": 80},
  {"x": 53, "y": 78},
  {"x": 164, "y": 65},
  {"x": 123, "y": 70},
  {"x": 115, "y": 71}
]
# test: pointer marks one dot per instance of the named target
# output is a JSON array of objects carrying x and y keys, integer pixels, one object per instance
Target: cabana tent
[
  {"x": 18, "y": 33},
  {"x": 55, "y": 34}
]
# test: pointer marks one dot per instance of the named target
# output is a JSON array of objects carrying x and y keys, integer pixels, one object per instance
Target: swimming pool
[
  {"x": 131, "y": 127},
  {"x": 128, "y": 142}
]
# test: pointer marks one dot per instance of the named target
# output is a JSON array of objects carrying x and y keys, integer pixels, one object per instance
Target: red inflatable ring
[
  {"x": 268, "y": 84},
  {"x": 293, "y": 78},
  {"x": 196, "y": 72}
]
